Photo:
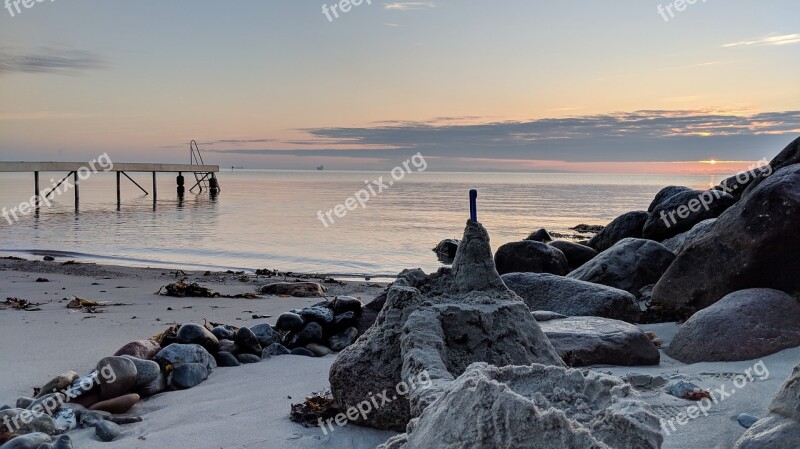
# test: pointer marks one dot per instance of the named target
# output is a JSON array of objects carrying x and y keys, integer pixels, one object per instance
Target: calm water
[{"x": 268, "y": 219}]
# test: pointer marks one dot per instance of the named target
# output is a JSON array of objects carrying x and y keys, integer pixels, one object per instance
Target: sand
[{"x": 247, "y": 406}]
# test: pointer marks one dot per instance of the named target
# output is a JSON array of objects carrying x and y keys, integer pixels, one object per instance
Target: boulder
[
  {"x": 681, "y": 241},
  {"x": 664, "y": 194},
  {"x": 780, "y": 429},
  {"x": 265, "y": 334},
  {"x": 744, "y": 325},
  {"x": 118, "y": 376},
  {"x": 466, "y": 314},
  {"x": 533, "y": 407},
  {"x": 629, "y": 265},
  {"x": 741, "y": 184},
  {"x": 59, "y": 383},
  {"x": 29, "y": 441},
  {"x": 188, "y": 375},
  {"x": 529, "y": 256},
  {"x": 247, "y": 342},
  {"x": 572, "y": 297},
  {"x": 585, "y": 341},
  {"x": 628, "y": 225},
  {"x": 289, "y": 322},
  {"x": 120, "y": 404},
  {"x": 679, "y": 213},
  {"x": 576, "y": 254},
  {"x": 344, "y": 304},
  {"x": 753, "y": 244}
]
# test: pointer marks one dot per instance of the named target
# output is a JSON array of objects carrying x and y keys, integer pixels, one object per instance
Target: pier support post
[
  {"x": 181, "y": 189},
  {"x": 77, "y": 189},
  {"x": 36, "y": 187},
  {"x": 155, "y": 190},
  {"x": 119, "y": 192}
]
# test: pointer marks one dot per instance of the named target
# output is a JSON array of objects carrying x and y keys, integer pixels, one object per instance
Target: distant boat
[{"x": 321, "y": 167}]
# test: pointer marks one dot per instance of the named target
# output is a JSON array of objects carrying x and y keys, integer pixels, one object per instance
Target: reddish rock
[
  {"x": 117, "y": 405},
  {"x": 141, "y": 349}
]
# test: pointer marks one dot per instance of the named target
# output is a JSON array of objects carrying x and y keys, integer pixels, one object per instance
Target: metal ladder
[{"x": 202, "y": 179}]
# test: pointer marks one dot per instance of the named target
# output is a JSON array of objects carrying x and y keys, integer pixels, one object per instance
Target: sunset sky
[{"x": 604, "y": 86}]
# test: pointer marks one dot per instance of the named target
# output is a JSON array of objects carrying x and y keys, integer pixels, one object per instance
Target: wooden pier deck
[{"x": 202, "y": 174}]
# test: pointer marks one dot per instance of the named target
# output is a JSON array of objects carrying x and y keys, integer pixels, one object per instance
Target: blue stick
[{"x": 473, "y": 205}]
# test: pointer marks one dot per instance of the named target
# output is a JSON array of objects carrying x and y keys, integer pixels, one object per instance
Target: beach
[{"x": 248, "y": 406}]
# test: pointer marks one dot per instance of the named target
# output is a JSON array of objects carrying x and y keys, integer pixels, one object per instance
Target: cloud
[
  {"x": 640, "y": 136},
  {"x": 408, "y": 6},
  {"x": 785, "y": 39},
  {"x": 49, "y": 60}
]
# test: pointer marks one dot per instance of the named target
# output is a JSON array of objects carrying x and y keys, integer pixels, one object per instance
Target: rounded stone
[
  {"x": 188, "y": 375},
  {"x": 247, "y": 341},
  {"x": 224, "y": 332},
  {"x": 264, "y": 333},
  {"x": 344, "y": 304},
  {"x": 141, "y": 349},
  {"x": 248, "y": 358},
  {"x": 225, "y": 359},
  {"x": 146, "y": 370},
  {"x": 59, "y": 383},
  {"x": 117, "y": 405},
  {"x": 289, "y": 322},
  {"x": 274, "y": 349},
  {"x": 340, "y": 341},
  {"x": 158, "y": 385},
  {"x": 107, "y": 431},
  {"x": 196, "y": 334},
  {"x": 319, "y": 350},
  {"x": 743, "y": 325},
  {"x": 303, "y": 352},
  {"x": 178, "y": 354},
  {"x": 29, "y": 441},
  {"x": 312, "y": 333},
  {"x": 116, "y": 375}
]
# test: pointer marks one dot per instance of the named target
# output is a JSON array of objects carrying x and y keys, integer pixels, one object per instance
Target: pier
[{"x": 205, "y": 175}]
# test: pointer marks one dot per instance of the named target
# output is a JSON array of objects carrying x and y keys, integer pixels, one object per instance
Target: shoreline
[{"x": 249, "y": 406}]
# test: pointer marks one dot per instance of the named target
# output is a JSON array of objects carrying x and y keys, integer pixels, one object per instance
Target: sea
[{"x": 271, "y": 219}]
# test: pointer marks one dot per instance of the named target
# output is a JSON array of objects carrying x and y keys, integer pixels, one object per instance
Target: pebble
[
  {"x": 65, "y": 420},
  {"x": 188, "y": 375},
  {"x": 196, "y": 334},
  {"x": 344, "y": 304},
  {"x": 746, "y": 420},
  {"x": 226, "y": 359},
  {"x": 317, "y": 314},
  {"x": 90, "y": 418},
  {"x": 107, "y": 431},
  {"x": 178, "y": 354},
  {"x": 117, "y": 405},
  {"x": 223, "y": 332},
  {"x": 302, "y": 351},
  {"x": 117, "y": 376},
  {"x": 146, "y": 371},
  {"x": 29, "y": 441},
  {"x": 158, "y": 385},
  {"x": 264, "y": 333},
  {"x": 289, "y": 322},
  {"x": 319, "y": 350},
  {"x": 248, "y": 358},
  {"x": 312, "y": 333},
  {"x": 247, "y": 341},
  {"x": 228, "y": 346},
  {"x": 141, "y": 349},
  {"x": 274, "y": 349},
  {"x": 340, "y": 341},
  {"x": 48, "y": 258}
]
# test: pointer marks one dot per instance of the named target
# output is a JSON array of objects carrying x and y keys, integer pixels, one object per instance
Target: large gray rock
[
  {"x": 681, "y": 241},
  {"x": 29, "y": 441},
  {"x": 781, "y": 428},
  {"x": 466, "y": 314},
  {"x": 530, "y": 256},
  {"x": 743, "y": 183},
  {"x": 572, "y": 297},
  {"x": 178, "y": 354},
  {"x": 628, "y": 225},
  {"x": 680, "y": 212},
  {"x": 629, "y": 265},
  {"x": 744, "y": 325},
  {"x": 576, "y": 254},
  {"x": 753, "y": 244},
  {"x": 585, "y": 341},
  {"x": 533, "y": 407},
  {"x": 664, "y": 194}
]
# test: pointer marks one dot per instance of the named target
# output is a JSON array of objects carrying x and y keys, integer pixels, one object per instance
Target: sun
[{"x": 712, "y": 162}]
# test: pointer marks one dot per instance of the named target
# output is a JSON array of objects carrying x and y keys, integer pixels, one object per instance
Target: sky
[{"x": 624, "y": 86}]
